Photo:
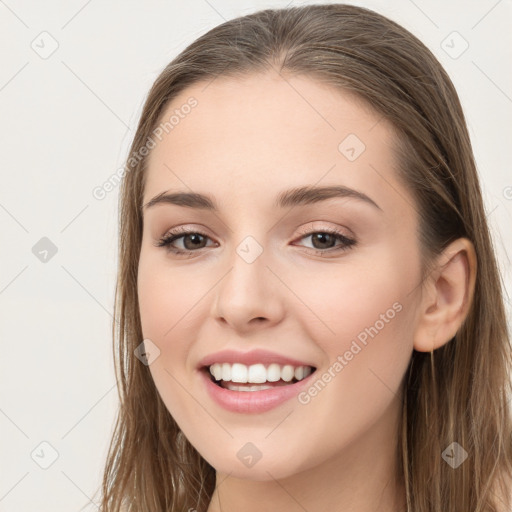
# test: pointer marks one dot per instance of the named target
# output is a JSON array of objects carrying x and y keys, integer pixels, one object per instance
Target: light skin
[{"x": 246, "y": 141}]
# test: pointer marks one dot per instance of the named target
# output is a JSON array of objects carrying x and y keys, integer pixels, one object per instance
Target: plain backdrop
[{"x": 73, "y": 78}]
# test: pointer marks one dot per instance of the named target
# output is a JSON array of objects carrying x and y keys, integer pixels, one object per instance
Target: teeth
[
  {"x": 226, "y": 371},
  {"x": 257, "y": 373},
  {"x": 274, "y": 373}
]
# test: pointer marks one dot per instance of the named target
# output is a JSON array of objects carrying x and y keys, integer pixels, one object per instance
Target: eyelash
[{"x": 178, "y": 233}]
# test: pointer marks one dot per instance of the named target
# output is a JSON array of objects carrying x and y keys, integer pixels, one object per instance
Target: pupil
[
  {"x": 320, "y": 236},
  {"x": 195, "y": 236}
]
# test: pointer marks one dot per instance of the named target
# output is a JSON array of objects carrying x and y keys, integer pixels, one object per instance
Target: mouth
[{"x": 257, "y": 377}]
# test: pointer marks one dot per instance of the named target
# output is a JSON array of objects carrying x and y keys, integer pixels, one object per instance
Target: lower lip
[{"x": 252, "y": 401}]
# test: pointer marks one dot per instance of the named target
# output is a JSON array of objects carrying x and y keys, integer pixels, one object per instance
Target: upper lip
[{"x": 249, "y": 358}]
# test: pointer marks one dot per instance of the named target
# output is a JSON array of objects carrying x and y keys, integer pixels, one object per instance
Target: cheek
[
  {"x": 346, "y": 299},
  {"x": 366, "y": 358},
  {"x": 169, "y": 298},
  {"x": 173, "y": 305},
  {"x": 168, "y": 301},
  {"x": 363, "y": 322}
]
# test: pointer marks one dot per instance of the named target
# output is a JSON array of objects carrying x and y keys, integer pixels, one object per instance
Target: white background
[{"x": 66, "y": 122}]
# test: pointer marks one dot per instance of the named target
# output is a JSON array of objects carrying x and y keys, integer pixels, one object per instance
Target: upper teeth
[{"x": 258, "y": 373}]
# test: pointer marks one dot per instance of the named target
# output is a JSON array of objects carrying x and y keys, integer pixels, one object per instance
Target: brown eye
[
  {"x": 196, "y": 241},
  {"x": 191, "y": 241},
  {"x": 325, "y": 241}
]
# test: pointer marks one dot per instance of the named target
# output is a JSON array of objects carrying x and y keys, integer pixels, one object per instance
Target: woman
[{"x": 310, "y": 311}]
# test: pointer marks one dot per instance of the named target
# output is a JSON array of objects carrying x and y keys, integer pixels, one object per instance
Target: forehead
[{"x": 264, "y": 133}]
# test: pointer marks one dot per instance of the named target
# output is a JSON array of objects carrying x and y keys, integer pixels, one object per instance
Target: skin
[{"x": 247, "y": 140}]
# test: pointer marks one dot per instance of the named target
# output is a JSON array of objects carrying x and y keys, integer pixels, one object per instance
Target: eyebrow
[{"x": 293, "y": 197}]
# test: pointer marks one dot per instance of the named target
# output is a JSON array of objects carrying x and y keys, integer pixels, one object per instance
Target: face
[{"x": 328, "y": 282}]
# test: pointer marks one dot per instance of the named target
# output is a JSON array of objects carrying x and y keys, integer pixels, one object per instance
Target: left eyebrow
[
  {"x": 293, "y": 197},
  {"x": 309, "y": 195}
]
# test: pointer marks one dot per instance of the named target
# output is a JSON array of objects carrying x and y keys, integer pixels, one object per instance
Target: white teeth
[
  {"x": 239, "y": 373},
  {"x": 226, "y": 371},
  {"x": 257, "y": 373},
  {"x": 274, "y": 373},
  {"x": 216, "y": 371},
  {"x": 287, "y": 373}
]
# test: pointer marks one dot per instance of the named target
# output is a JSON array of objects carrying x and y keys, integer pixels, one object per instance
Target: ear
[{"x": 447, "y": 295}]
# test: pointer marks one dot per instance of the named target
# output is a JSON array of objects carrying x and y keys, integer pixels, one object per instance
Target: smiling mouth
[{"x": 261, "y": 384}]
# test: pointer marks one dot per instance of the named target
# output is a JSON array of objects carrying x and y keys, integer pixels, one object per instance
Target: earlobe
[{"x": 447, "y": 296}]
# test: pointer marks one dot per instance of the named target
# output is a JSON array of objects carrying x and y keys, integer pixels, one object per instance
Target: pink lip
[
  {"x": 248, "y": 358},
  {"x": 252, "y": 401}
]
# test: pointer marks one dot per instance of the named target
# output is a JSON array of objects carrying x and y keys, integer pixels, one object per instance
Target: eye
[
  {"x": 192, "y": 240},
  {"x": 324, "y": 241}
]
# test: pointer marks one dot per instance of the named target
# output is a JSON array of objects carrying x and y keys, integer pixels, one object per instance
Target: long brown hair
[{"x": 458, "y": 392}]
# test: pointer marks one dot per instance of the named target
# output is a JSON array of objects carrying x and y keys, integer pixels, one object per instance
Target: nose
[{"x": 248, "y": 297}]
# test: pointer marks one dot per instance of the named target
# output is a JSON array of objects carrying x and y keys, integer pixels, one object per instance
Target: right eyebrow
[{"x": 187, "y": 199}]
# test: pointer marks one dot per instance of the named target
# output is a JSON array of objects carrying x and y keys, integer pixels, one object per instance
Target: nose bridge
[
  {"x": 248, "y": 273},
  {"x": 248, "y": 290},
  {"x": 249, "y": 242}
]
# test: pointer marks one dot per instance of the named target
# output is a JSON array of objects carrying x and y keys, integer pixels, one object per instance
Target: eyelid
[{"x": 316, "y": 228}]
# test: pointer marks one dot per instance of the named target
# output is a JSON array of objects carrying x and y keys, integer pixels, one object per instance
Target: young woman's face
[{"x": 254, "y": 274}]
